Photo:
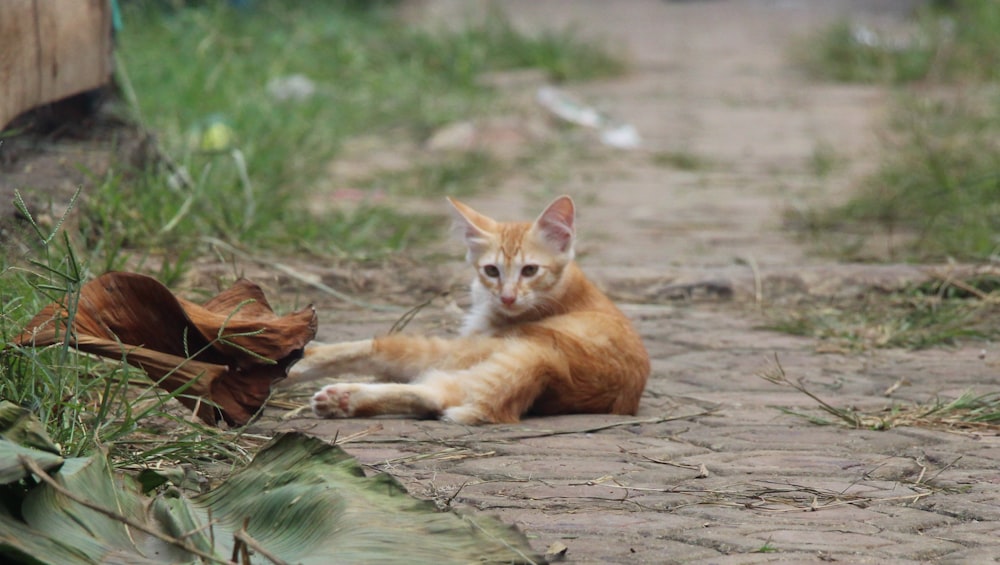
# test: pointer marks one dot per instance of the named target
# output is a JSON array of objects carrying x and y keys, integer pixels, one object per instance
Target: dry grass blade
[
  {"x": 408, "y": 316},
  {"x": 948, "y": 278},
  {"x": 779, "y": 377},
  {"x": 780, "y": 498},
  {"x": 968, "y": 412},
  {"x": 700, "y": 468},
  {"x": 358, "y": 435},
  {"x": 447, "y": 454}
]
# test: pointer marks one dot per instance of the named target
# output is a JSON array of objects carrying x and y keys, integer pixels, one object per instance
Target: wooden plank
[
  {"x": 18, "y": 59},
  {"x": 51, "y": 49}
]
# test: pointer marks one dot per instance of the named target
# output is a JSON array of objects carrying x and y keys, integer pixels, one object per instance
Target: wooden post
[{"x": 51, "y": 49}]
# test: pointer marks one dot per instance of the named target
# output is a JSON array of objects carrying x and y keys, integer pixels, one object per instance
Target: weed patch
[
  {"x": 935, "y": 192},
  {"x": 941, "y": 312},
  {"x": 945, "y": 42}
]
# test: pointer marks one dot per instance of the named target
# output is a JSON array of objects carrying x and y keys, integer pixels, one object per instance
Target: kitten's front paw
[{"x": 334, "y": 401}]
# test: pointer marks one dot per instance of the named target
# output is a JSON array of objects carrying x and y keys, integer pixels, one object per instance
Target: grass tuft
[
  {"x": 925, "y": 315},
  {"x": 848, "y": 52}
]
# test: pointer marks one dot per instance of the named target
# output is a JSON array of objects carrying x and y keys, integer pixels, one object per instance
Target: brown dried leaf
[{"x": 234, "y": 345}]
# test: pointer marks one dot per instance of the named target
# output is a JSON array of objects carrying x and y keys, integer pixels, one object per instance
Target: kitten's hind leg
[
  {"x": 396, "y": 357},
  {"x": 346, "y": 400},
  {"x": 333, "y": 359}
]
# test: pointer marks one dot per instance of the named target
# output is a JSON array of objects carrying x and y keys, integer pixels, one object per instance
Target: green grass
[
  {"x": 936, "y": 192},
  {"x": 848, "y": 52},
  {"x": 824, "y": 160},
  {"x": 680, "y": 160},
  {"x": 198, "y": 66},
  {"x": 767, "y": 547},
  {"x": 946, "y": 42}
]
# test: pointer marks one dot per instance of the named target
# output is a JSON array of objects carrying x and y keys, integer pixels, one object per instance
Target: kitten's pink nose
[{"x": 507, "y": 300}]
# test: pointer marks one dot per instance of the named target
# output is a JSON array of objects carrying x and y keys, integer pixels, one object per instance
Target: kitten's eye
[
  {"x": 529, "y": 270},
  {"x": 491, "y": 271}
]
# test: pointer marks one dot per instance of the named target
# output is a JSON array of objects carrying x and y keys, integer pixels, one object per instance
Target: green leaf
[
  {"x": 22, "y": 435},
  {"x": 102, "y": 538},
  {"x": 20, "y": 543},
  {"x": 20, "y": 426},
  {"x": 11, "y": 468},
  {"x": 313, "y": 504},
  {"x": 301, "y": 500}
]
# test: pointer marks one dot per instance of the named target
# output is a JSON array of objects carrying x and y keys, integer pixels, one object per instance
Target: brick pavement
[{"x": 710, "y": 470}]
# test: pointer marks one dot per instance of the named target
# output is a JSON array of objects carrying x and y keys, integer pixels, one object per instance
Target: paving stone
[
  {"x": 909, "y": 520},
  {"x": 912, "y": 546}
]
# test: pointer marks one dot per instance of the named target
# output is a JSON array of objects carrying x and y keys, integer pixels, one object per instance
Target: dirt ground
[{"x": 710, "y": 470}]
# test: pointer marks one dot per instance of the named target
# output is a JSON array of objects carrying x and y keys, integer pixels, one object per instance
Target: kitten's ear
[
  {"x": 555, "y": 225},
  {"x": 474, "y": 228}
]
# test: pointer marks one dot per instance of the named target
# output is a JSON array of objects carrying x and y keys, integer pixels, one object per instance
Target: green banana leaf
[
  {"x": 22, "y": 435},
  {"x": 11, "y": 468},
  {"x": 300, "y": 501}
]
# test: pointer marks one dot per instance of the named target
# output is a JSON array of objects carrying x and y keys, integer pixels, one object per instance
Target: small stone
[{"x": 556, "y": 552}]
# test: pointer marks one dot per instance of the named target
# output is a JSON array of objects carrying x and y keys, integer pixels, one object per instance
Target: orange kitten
[{"x": 540, "y": 338}]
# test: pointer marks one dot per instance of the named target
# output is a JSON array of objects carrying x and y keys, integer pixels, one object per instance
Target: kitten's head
[{"x": 519, "y": 265}]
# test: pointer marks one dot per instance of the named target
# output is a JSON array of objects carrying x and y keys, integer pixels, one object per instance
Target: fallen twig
[
  {"x": 658, "y": 420},
  {"x": 357, "y": 435},
  {"x": 244, "y": 537},
  {"x": 447, "y": 454},
  {"x": 947, "y": 279},
  {"x": 700, "y": 468}
]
